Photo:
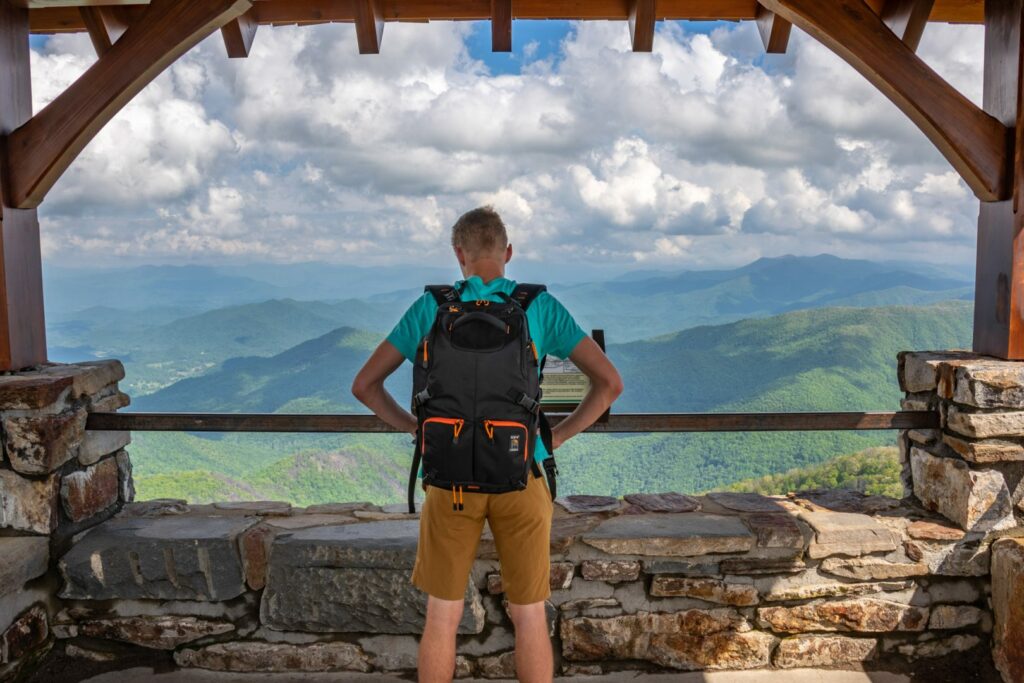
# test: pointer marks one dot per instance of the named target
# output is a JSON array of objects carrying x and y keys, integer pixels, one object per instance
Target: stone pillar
[
  {"x": 56, "y": 480},
  {"x": 970, "y": 470}
]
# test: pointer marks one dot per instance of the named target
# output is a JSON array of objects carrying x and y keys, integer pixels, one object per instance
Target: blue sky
[{"x": 704, "y": 153}]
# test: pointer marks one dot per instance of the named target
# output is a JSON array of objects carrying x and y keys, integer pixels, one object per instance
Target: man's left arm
[
  {"x": 368, "y": 387},
  {"x": 605, "y": 387}
]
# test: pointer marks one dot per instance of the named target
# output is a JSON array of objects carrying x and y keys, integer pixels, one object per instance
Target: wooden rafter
[
  {"x": 41, "y": 150},
  {"x": 774, "y": 31},
  {"x": 907, "y": 19},
  {"x": 972, "y": 140},
  {"x": 105, "y": 25},
  {"x": 641, "y": 24},
  {"x": 369, "y": 26},
  {"x": 501, "y": 25},
  {"x": 238, "y": 35}
]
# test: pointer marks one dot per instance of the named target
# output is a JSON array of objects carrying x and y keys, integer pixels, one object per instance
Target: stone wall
[
  {"x": 56, "y": 479},
  {"x": 661, "y": 582}
]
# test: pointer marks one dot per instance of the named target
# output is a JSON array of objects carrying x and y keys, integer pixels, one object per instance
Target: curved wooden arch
[
  {"x": 975, "y": 143},
  {"x": 42, "y": 148}
]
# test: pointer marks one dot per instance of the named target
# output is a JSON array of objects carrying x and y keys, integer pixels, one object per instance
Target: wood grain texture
[
  {"x": 641, "y": 24},
  {"x": 238, "y": 35},
  {"x": 999, "y": 274},
  {"x": 625, "y": 423},
  {"x": 369, "y": 26},
  {"x": 501, "y": 25},
  {"x": 43, "y": 148},
  {"x": 104, "y": 25},
  {"x": 907, "y": 19},
  {"x": 22, "y": 324},
  {"x": 974, "y": 142},
  {"x": 774, "y": 31}
]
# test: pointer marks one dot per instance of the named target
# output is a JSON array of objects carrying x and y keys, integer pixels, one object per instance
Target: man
[{"x": 519, "y": 520}]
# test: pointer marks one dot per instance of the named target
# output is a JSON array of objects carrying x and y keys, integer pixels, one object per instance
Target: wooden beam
[
  {"x": 907, "y": 19},
  {"x": 774, "y": 31},
  {"x": 43, "y": 148},
  {"x": 975, "y": 143},
  {"x": 641, "y": 24},
  {"x": 501, "y": 25},
  {"x": 999, "y": 272},
  {"x": 105, "y": 25},
  {"x": 625, "y": 423},
  {"x": 369, "y": 26},
  {"x": 22, "y": 324},
  {"x": 238, "y": 35}
]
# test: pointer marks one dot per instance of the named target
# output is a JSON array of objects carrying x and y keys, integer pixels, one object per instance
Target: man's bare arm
[
  {"x": 368, "y": 387},
  {"x": 605, "y": 387}
]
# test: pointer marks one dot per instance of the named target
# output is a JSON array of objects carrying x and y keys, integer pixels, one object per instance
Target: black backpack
[{"x": 476, "y": 396}]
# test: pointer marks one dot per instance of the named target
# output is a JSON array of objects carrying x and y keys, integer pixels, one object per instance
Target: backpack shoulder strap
[
  {"x": 524, "y": 294},
  {"x": 443, "y": 294}
]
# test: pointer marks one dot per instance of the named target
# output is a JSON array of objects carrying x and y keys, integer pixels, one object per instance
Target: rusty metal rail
[{"x": 624, "y": 423}]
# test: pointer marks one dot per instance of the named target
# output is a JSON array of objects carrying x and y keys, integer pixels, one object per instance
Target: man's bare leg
[
  {"x": 437, "y": 647},
  {"x": 533, "y": 644}
]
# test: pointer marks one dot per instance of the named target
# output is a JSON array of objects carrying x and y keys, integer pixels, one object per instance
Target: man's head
[{"x": 481, "y": 242}]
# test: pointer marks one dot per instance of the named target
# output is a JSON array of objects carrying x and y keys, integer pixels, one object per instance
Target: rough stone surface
[
  {"x": 920, "y": 370},
  {"x": 22, "y": 558},
  {"x": 1008, "y": 604},
  {"x": 254, "y": 545},
  {"x": 96, "y": 444},
  {"x": 985, "y": 425},
  {"x": 941, "y": 647},
  {"x": 933, "y": 531},
  {"x": 709, "y": 590},
  {"x": 583, "y": 503},
  {"x": 866, "y": 615},
  {"x": 967, "y": 557},
  {"x": 186, "y": 557},
  {"x": 90, "y": 491},
  {"x": 127, "y": 481},
  {"x": 88, "y": 377},
  {"x": 28, "y": 504},
  {"x": 612, "y": 571},
  {"x": 872, "y": 568},
  {"x": 985, "y": 451},
  {"x": 31, "y": 391},
  {"x": 845, "y": 500},
  {"x": 775, "y": 530},
  {"x": 954, "y": 616},
  {"x": 847, "y": 533},
  {"x": 990, "y": 383},
  {"x": 28, "y": 632},
  {"x": 823, "y": 651},
  {"x": 498, "y": 666},
  {"x": 257, "y": 507},
  {"x": 746, "y": 502},
  {"x": 974, "y": 499},
  {"x": 40, "y": 444},
  {"x": 715, "y": 639},
  {"x": 78, "y": 652},
  {"x": 756, "y": 566},
  {"x": 257, "y": 657},
  {"x": 811, "y": 584},
  {"x": 156, "y": 632},
  {"x": 663, "y": 502},
  {"x": 685, "y": 534},
  {"x": 353, "y": 577}
]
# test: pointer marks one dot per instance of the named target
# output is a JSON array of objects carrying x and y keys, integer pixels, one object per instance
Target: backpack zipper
[
  {"x": 455, "y": 422},
  {"x": 489, "y": 426}
]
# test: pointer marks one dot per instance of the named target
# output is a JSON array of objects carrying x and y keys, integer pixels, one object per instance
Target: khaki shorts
[{"x": 521, "y": 524}]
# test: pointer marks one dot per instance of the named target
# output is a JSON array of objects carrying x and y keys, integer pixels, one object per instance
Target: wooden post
[
  {"x": 999, "y": 278},
  {"x": 22, "y": 328}
]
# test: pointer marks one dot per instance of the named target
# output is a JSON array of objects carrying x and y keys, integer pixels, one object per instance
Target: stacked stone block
[
  {"x": 971, "y": 468},
  {"x": 662, "y": 582},
  {"x": 57, "y": 479}
]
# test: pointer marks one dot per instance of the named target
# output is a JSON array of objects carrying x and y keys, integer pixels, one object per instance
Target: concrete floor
[{"x": 792, "y": 676}]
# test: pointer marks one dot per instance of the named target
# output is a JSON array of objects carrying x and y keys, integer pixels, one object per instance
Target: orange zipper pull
[
  {"x": 455, "y": 505},
  {"x": 424, "y": 350},
  {"x": 460, "y": 498},
  {"x": 489, "y": 428}
]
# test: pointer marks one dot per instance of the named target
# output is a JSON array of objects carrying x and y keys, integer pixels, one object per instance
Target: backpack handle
[{"x": 479, "y": 317}]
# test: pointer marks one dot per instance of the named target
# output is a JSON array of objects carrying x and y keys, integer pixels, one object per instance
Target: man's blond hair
[{"x": 480, "y": 232}]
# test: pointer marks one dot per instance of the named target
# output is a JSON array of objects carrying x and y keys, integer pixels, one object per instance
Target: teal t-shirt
[{"x": 551, "y": 326}]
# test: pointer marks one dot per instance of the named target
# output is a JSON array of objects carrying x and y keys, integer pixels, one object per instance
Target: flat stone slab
[
  {"x": 663, "y": 502},
  {"x": 22, "y": 558},
  {"x": 847, "y": 500},
  {"x": 746, "y": 502},
  {"x": 186, "y": 557},
  {"x": 684, "y": 534},
  {"x": 847, "y": 533},
  {"x": 351, "y": 578},
  {"x": 974, "y": 499},
  {"x": 584, "y": 503}
]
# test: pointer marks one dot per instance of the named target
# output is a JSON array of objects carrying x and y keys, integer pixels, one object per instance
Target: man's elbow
[
  {"x": 361, "y": 388},
  {"x": 614, "y": 387}
]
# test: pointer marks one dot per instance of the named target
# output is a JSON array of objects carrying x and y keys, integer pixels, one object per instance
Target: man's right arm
[{"x": 368, "y": 387}]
